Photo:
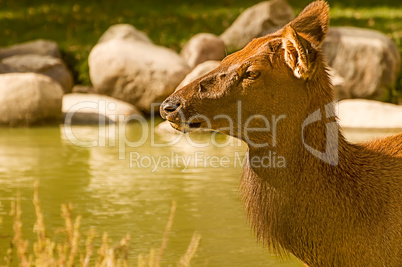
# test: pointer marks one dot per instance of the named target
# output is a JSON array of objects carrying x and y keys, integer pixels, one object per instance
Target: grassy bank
[
  {"x": 69, "y": 246},
  {"x": 77, "y": 25}
]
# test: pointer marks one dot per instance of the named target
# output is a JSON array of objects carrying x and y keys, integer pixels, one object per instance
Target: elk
[{"x": 334, "y": 203}]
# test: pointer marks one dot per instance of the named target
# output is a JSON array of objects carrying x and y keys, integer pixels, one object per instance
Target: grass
[
  {"x": 77, "y": 25},
  {"x": 78, "y": 249}
]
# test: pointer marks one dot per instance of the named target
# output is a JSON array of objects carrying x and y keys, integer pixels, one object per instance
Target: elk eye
[{"x": 252, "y": 75}]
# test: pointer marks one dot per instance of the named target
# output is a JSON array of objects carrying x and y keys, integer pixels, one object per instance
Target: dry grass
[{"x": 76, "y": 250}]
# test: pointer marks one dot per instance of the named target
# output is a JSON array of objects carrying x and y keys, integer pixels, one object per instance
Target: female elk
[{"x": 334, "y": 203}]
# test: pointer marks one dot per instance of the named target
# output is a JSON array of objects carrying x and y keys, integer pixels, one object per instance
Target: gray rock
[
  {"x": 29, "y": 99},
  {"x": 256, "y": 21},
  {"x": 369, "y": 114},
  {"x": 137, "y": 72},
  {"x": 94, "y": 109},
  {"x": 46, "y": 65},
  {"x": 368, "y": 61},
  {"x": 199, "y": 71},
  {"x": 39, "y": 47},
  {"x": 124, "y": 32},
  {"x": 203, "y": 47}
]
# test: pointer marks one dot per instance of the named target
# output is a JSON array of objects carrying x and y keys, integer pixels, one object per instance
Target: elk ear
[
  {"x": 313, "y": 21},
  {"x": 299, "y": 55}
]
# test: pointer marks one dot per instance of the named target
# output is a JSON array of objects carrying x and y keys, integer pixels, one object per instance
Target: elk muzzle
[
  {"x": 171, "y": 110},
  {"x": 169, "y": 107}
]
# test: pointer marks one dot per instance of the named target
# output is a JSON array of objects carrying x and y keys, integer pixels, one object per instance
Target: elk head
[{"x": 272, "y": 75}]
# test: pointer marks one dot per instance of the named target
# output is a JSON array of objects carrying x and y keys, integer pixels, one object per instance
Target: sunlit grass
[
  {"x": 385, "y": 19},
  {"x": 388, "y": 13}
]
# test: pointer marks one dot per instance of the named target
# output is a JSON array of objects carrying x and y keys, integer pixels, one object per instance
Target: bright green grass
[{"x": 77, "y": 25}]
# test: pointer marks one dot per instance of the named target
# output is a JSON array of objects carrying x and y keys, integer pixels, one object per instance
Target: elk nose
[{"x": 169, "y": 106}]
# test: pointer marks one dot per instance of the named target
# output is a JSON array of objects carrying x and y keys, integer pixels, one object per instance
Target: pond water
[{"x": 124, "y": 179}]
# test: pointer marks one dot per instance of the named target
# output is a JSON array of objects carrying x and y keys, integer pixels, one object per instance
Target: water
[{"x": 115, "y": 187}]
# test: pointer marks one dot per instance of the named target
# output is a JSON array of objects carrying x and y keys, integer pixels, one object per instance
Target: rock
[
  {"x": 256, "y": 21},
  {"x": 124, "y": 32},
  {"x": 84, "y": 89},
  {"x": 369, "y": 114},
  {"x": 199, "y": 71},
  {"x": 368, "y": 61},
  {"x": 47, "y": 65},
  {"x": 336, "y": 80},
  {"x": 94, "y": 109},
  {"x": 39, "y": 47},
  {"x": 29, "y": 99},
  {"x": 137, "y": 72},
  {"x": 203, "y": 47}
]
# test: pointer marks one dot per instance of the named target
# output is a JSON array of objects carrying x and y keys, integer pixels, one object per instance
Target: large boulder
[
  {"x": 124, "y": 32},
  {"x": 369, "y": 114},
  {"x": 203, "y": 47},
  {"x": 256, "y": 21},
  {"x": 135, "y": 71},
  {"x": 368, "y": 61},
  {"x": 47, "y": 65},
  {"x": 199, "y": 71},
  {"x": 94, "y": 109},
  {"x": 29, "y": 99},
  {"x": 39, "y": 47}
]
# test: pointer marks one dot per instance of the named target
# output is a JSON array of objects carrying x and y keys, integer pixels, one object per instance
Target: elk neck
[
  {"x": 314, "y": 128},
  {"x": 284, "y": 203}
]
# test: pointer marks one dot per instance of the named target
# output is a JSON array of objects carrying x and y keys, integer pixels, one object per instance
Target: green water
[{"x": 112, "y": 184}]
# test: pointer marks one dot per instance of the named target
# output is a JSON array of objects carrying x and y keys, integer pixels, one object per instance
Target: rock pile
[
  {"x": 132, "y": 74},
  {"x": 33, "y": 80}
]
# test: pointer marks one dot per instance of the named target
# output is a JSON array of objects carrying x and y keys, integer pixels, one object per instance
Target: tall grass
[{"x": 78, "y": 249}]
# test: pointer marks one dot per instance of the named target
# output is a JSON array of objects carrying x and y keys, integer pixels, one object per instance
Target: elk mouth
[
  {"x": 185, "y": 127},
  {"x": 193, "y": 124}
]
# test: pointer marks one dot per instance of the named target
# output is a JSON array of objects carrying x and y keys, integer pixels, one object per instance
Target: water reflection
[{"x": 96, "y": 169}]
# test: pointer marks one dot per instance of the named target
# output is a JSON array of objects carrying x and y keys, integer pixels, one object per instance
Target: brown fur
[{"x": 347, "y": 214}]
